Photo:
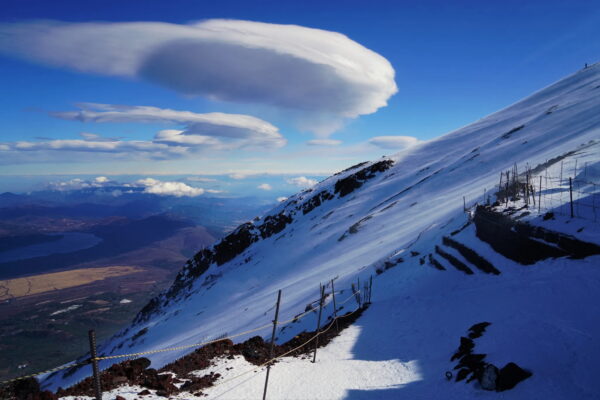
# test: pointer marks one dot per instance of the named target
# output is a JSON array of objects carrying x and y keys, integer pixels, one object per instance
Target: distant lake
[{"x": 70, "y": 242}]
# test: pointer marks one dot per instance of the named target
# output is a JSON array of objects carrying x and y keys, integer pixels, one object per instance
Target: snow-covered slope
[{"x": 393, "y": 212}]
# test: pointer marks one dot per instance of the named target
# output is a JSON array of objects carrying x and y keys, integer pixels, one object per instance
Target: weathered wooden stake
[
  {"x": 561, "y": 170},
  {"x": 94, "y": 361},
  {"x": 540, "y": 196},
  {"x": 337, "y": 326},
  {"x": 571, "y": 195},
  {"x": 526, "y": 188},
  {"x": 319, "y": 322},
  {"x": 359, "y": 292},
  {"x": 272, "y": 343}
]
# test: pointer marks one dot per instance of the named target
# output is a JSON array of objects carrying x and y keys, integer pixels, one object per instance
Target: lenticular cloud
[{"x": 286, "y": 66}]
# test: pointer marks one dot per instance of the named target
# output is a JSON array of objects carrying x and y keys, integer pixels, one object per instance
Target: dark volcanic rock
[
  {"x": 352, "y": 182},
  {"x": 489, "y": 377},
  {"x": 273, "y": 224},
  {"x": 234, "y": 243},
  {"x": 510, "y": 376},
  {"x": 316, "y": 201},
  {"x": 26, "y": 389},
  {"x": 478, "y": 329}
]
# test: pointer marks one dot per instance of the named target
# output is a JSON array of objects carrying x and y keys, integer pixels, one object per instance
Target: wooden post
[
  {"x": 540, "y": 196},
  {"x": 359, "y": 292},
  {"x": 94, "y": 361},
  {"x": 500, "y": 184},
  {"x": 526, "y": 188},
  {"x": 272, "y": 343},
  {"x": 337, "y": 327},
  {"x": 319, "y": 322},
  {"x": 571, "y": 195},
  {"x": 561, "y": 170}
]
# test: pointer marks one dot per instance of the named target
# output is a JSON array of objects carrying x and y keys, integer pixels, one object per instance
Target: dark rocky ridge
[{"x": 246, "y": 234}]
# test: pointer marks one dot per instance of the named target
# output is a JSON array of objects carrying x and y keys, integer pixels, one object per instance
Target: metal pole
[
  {"x": 337, "y": 327},
  {"x": 319, "y": 322},
  {"x": 571, "y": 194},
  {"x": 94, "y": 360},
  {"x": 272, "y": 343}
]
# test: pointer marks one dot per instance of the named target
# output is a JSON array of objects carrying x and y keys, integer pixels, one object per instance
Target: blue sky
[{"x": 454, "y": 62}]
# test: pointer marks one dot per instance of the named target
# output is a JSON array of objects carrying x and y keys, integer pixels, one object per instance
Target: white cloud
[
  {"x": 393, "y": 142},
  {"x": 202, "y": 132},
  {"x": 213, "y": 191},
  {"x": 324, "y": 142},
  {"x": 129, "y": 148},
  {"x": 216, "y": 130},
  {"x": 302, "y": 182},
  {"x": 238, "y": 176},
  {"x": 281, "y": 199},
  {"x": 101, "y": 179},
  {"x": 265, "y": 186},
  {"x": 200, "y": 179},
  {"x": 286, "y": 66},
  {"x": 178, "y": 189},
  {"x": 78, "y": 183}
]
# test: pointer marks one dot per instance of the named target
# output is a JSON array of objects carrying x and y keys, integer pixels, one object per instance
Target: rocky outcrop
[
  {"x": 472, "y": 366},
  {"x": 316, "y": 201},
  {"x": 352, "y": 182}
]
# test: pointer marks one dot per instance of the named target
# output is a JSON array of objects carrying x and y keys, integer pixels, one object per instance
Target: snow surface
[{"x": 544, "y": 316}]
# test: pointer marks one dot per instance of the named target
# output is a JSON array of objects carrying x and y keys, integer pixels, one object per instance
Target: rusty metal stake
[
  {"x": 337, "y": 327},
  {"x": 94, "y": 361},
  {"x": 272, "y": 343},
  {"x": 319, "y": 322},
  {"x": 571, "y": 195}
]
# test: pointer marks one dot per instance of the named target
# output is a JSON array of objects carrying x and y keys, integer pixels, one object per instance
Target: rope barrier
[
  {"x": 288, "y": 352},
  {"x": 130, "y": 355}
]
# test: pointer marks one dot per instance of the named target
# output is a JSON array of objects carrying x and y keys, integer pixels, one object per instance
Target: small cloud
[
  {"x": 200, "y": 179},
  {"x": 265, "y": 186},
  {"x": 324, "y": 142},
  {"x": 394, "y": 142},
  {"x": 238, "y": 176},
  {"x": 281, "y": 199},
  {"x": 302, "y": 182},
  {"x": 177, "y": 189},
  {"x": 213, "y": 191},
  {"x": 77, "y": 183}
]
